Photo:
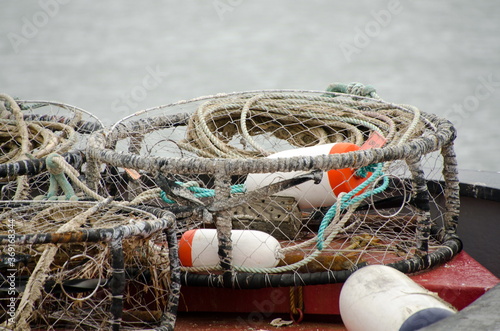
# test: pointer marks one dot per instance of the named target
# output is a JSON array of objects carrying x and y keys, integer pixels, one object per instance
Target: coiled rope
[
  {"x": 32, "y": 138},
  {"x": 26, "y": 136},
  {"x": 300, "y": 119},
  {"x": 23, "y": 146}
]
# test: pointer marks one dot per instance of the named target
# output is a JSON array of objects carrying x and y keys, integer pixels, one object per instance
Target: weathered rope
[
  {"x": 38, "y": 137},
  {"x": 58, "y": 179},
  {"x": 302, "y": 120},
  {"x": 352, "y": 198},
  {"x": 25, "y": 145},
  {"x": 58, "y": 167},
  {"x": 438, "y": 132},
  {"x": 200, "y": 192},
  {"x": 27, "y": 137},
  {"x": 297, "y": 303},
  {"x": 353, "y": 88}
]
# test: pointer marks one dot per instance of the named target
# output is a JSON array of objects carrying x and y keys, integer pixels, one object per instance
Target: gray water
[{"x": 116, "y": 57}]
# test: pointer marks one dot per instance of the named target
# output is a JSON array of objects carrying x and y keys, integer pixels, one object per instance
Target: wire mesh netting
[
  {"x": 32, "y": 130},
  {"x": 68, "y": 259},
  {"x": 261, "y": 189}
]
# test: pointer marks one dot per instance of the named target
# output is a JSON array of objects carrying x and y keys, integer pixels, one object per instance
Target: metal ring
[
  {"x": 98, "y": 283},
  {"x": 405, "y": 195}
]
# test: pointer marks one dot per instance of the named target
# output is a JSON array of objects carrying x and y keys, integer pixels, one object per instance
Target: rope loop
[
  {"x": 364, "y": 171},
  {"x": 299, "y": 319},
  {"x": 297, "y": 304}
]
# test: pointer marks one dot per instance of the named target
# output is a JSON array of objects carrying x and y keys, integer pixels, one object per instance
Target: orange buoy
[
  {"x": 308, "y": 194},
  {"x": 251, "y": 248}
]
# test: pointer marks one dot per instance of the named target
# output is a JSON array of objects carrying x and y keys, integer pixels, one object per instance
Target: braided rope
[
  {"x": 206, "y": 138},
  {"x": 297, "y": 302}
]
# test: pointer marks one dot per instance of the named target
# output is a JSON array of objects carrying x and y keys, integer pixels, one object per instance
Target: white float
[
  {"x": 251, "y": 248},
  {"x": 381, "y": 298}
]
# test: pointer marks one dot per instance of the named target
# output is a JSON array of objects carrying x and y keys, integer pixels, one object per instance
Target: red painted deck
[
  {"x": 231, "y": 321},
  {"x": 460, "y": 282}
]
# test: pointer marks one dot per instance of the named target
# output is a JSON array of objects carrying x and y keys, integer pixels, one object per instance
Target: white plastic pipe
[{"x": 381, "y": 298}]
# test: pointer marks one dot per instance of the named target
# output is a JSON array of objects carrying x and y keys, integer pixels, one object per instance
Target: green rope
[
  {"x": 353, "y": 88},
  {"x": 351, "y": 198},
  {"x": 57, "y": 180},
  {"x": 200, "y": 192}
]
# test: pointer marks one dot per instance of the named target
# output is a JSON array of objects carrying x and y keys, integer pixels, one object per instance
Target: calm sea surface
[{"x": 441, "y": 56}]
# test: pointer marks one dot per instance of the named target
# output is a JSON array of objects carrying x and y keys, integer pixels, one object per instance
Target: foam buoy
[
  {"x": 309, "y": 194},
  {"x": 382, "y": 298},
  {"x": 251, "y": 248}
]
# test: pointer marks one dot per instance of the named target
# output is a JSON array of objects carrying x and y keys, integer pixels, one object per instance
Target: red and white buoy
[
  {"x": 308, "y": 194},
  {"x": 251, "y": 248}
]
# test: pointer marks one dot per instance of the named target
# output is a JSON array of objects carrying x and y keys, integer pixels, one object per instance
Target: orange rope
[{"x": 296, "y": 303}]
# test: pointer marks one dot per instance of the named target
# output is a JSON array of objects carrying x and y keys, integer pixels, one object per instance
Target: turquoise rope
[
  {"x": 200, "y": 192},
  {"x": 58, "y": 180},
  {"x": 363, "y": 171},
  {"x": 346, "y": 201}
]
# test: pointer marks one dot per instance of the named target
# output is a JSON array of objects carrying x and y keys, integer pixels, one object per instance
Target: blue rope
[
  {"x": 201, "y": 192},
  {"x": 363, "y": 171},
  {"x": 346, "y": 200}
]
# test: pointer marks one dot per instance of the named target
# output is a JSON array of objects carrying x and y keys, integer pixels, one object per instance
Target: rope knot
[
  {"x": 364, "y": 171},
  {"x": 360, "y": 89},
  {"x": 354, "y": 89},
  {"x": 58, "y": 179},
  {"x": 52, "y": 166}
]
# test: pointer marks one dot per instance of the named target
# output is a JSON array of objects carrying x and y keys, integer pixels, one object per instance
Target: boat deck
[
  {"x": 231, "y": 321},
  {"x": 460, "y": 282}
]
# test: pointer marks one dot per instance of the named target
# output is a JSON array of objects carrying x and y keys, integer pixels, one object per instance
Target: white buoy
[
  {"x": 309, "y": 194},
  {"x": 251, "y": 248},
  {"x": 381, "y": 298}
]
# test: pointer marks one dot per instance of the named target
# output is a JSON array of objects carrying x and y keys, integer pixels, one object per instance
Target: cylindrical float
[
  {"x": 382, "y": 298},
  {"x": 251, "y": 248},
  {"x": 309, "y": 194}
]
